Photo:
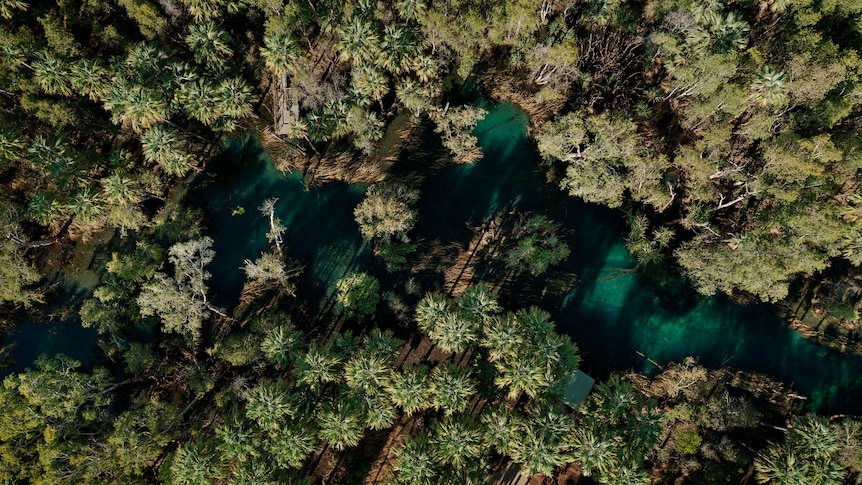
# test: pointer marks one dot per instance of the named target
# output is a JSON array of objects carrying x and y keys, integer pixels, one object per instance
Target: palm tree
[
  {"x": 369, "y": 82},
  {"x": 137, "y": 107},
  {"x": 452, "y": 388},
  {"x": 501, "y": 427},
  {"x": 201, "y": 100},
  {"x": 399, "y": 49},
  {"x": 455, "y": 332},
  {"x": 593, "y": 452},
  {"x": 316, "y": 368},
  {"x": 410, "y": 9},
  {"x": 379, "y": 412},
  {"x": 11, "y": 145},
  {"x": 358, "y": 41},
  {"x": 162, "y": 145},
  {"x": 456, "y": 441},
  {"x": 90, "y": 78},
  {"x": 431, "y": 308},
  {"x": 45, "y": 209},
  {"x": 234, "y": 97},
  {"x": 291, "y": 443},
  {"x": 8, "y": 7},
  {"x": 118, "y": 189},
  {"x": 269, "y": 403},
  {"x": 382, "y": 343},
  {"x": 52, "y": 75},
  {"x": 203, "y": 9},
  {"x": 209, "y": 43},
  {"x": 521, "y": 375},
  {"x": 770, "y": 87},
  {"x": 367, "y": 372},
  {"x": 502, "y": 338},
  {"x": 426, "y": 68},
  {"x": 235, "y": 442},
  {"x": 281, "y": 345},
  {"x": 414, "y": 462},
  {"x": 479, "y": 303},
  {"x": 409, "y": 389},
  {"x": 194, "y": 464},
  {"x": 341, "y": 426},
  {"x": 87, "y": 205},
  {"x": 280, "y": 53}
]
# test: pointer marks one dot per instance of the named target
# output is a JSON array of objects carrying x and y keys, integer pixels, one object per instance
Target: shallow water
[
  {"x": 321, "y": 231},
  {"x": 612, "y": 313}
]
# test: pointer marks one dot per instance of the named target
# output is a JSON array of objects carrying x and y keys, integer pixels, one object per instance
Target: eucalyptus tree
[
  {"x": 16, "y": 272},
  {"x": 455, "y": 127},
  {"x": 181, "y": 301},
  {"x": 386, "y": 212},
  {"x": 357, "y": 295}
]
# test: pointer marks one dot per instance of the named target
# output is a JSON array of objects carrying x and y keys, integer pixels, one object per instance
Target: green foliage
[
  {"x": 16, "y": 273},
  {"x": 181, "y": 301},
  {"x": 452, "y": 387},
  {"x": 455, "y": 126},
  {"x": 358, "y": 295},
  {"x": 538, "y": 246},
  {"x": 386, "y": 212}
]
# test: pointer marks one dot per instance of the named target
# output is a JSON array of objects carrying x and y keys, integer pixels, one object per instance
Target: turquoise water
[
  {"x": 612, "y": 313},
  {"x": 321, "y": 231}
]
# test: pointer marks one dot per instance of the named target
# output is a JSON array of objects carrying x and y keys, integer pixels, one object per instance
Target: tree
[
  {"x": 181, "y": 301},
  {"x": 16, "y": 273},
  {"x": 164, "y": 146},
  {"x": 414, "y": 462},
  {"x": 386, "y": 212},
  {"x": 276, "y": 227},
  {"x": 281, "y": 345},
  {"x": 341, "y": 425},
  {"x": 456, "y": 441},
  {"x": 452, "y": 388},
  {"x": 596, "y": 150},
  {"x": 270, "y": 267},
  {"x": 538, "y": 246},
  {"x": 316, "y": 368},
  {"x": 269, "y": 404},
  {"x": 292, "y": 443},
  {"x": 409, "y": 389},
  {"x": 194, "y": 464},
  {"x": 357, "y": 295},
  {"x": 809, "y": 455},
  {"x": 455, "y": 126},
  {"x": 209, "y": 43}
]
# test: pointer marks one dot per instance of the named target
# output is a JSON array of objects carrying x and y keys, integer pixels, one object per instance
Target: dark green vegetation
[{"x": 362, "y": 340}]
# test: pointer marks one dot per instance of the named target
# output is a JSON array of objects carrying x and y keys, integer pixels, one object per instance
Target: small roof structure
[
  {"x": 577, "y": 389},
  {"x": 285, "y": 109}
]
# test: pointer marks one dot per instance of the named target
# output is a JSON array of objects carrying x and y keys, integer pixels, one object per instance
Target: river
[{"x": 612, "y": 313}]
